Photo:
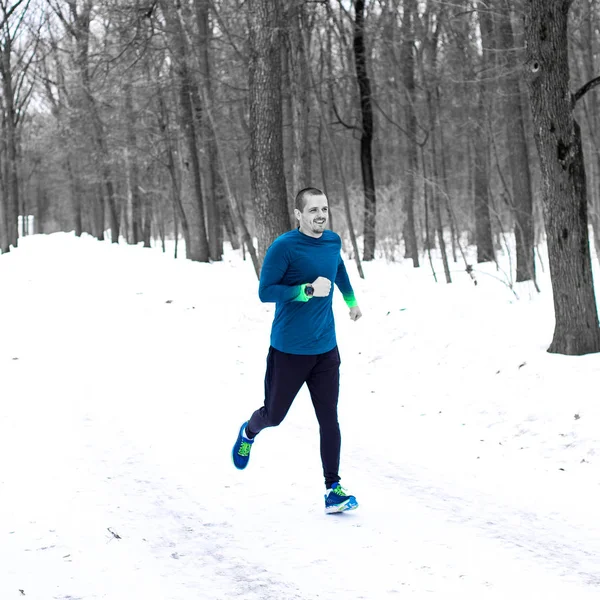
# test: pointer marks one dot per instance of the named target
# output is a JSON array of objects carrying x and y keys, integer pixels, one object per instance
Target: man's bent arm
[{"x": 273, "y": 270}]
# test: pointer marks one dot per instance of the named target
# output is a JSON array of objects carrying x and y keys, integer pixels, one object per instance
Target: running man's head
[{"x": 312, "y": 211}]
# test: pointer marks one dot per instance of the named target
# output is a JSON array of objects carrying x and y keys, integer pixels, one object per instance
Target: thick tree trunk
[
  {"x": 266, "y": 142},
  {"x": 518, "y": 156},
  {"x": 216, "y": 202},
  {"x": 412, "y": 155},
  {"x": 199, "y": 250},
  {"x": 483, "y": 226},
  {"x": 366, "y": 139},
  {"x": 12, "y": 180},
  {"x": 564, "y": 199}
]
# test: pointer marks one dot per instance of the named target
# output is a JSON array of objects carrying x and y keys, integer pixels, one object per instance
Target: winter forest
[{"x": 432, "y": 125}]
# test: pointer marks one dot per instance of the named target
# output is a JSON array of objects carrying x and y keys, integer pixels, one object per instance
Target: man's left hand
[{"x": 355, "y": 313}]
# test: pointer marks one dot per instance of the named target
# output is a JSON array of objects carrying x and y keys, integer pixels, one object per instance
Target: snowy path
[{"x": 101, "y": 438}]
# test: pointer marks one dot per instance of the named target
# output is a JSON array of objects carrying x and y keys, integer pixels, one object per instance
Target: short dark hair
[{"x": 303, "y": 194}]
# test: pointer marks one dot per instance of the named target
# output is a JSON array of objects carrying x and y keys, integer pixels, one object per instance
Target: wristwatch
[{"x": 309, "y": 290}]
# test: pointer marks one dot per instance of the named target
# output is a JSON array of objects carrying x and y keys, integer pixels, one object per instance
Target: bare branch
[
  {"x": 404, "y": 131},
  {"x": 58, "y": 12},
  {"x": 225, "y": 29},
  {"x": 20, "y": 20},
  {"x": 339, "y": 118},
  {"x": 13, "y": 8},
  {"x": 584, "y": 89}
]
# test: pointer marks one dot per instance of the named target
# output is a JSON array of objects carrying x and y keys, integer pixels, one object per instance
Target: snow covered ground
[{"x": 124, "y": 377}]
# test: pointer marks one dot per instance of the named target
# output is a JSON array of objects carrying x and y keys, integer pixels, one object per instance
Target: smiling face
[{"x": 315, "y": 215}]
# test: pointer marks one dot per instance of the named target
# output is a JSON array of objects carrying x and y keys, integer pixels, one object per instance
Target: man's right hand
[{"x": 322, "y": 287}]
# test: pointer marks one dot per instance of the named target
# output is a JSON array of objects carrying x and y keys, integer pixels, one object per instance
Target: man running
[{"x": 297, "y": 275}]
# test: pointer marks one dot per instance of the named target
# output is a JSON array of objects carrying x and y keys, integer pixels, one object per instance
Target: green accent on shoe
[
  {"x": 338, "y": 499},
  {"x": 244, "y": 448},
  {"x": 339, "y": 490},
  {"x": 241, "y": 449}
]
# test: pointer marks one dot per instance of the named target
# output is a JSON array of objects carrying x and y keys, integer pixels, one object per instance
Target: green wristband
[{"x": 302, "y": 296}]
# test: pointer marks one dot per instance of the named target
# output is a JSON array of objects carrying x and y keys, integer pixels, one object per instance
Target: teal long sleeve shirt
[{"x": 303, "y": 325}]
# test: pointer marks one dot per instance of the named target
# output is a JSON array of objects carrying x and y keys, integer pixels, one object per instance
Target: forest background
[{"x": 431, "y": 125}]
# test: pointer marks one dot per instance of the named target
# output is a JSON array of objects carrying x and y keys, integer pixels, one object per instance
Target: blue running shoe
[
  {"x": 338, "y": 500},
  {"x": 241, "y": 449}
]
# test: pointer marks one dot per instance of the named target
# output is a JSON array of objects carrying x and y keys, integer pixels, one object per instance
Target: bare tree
[
  {"x": 518, "y": 157},
  {"x": 366, "y": 138},
  {"x": 431, "y": 95},
  {"x": 187, "y": 89},
  {"x": 483, "y": 227},
  {"x": 558, "y": 140},
  {"x": 412, "y": 154},
  {"x": 14, "y": 98},
  {"x": 297, "y": 21},
  {"x": 266, "y": 143},
  {"x": 77, "y": 23},
  {"x": 216, "y": 203}
]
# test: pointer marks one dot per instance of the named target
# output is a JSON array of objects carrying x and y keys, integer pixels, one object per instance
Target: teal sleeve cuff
[
  {"x": 350, "y": 300},
  {"x": 302, "y": 297}
]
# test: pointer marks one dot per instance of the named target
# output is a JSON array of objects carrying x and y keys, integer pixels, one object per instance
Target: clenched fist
[{"x": 322, "y": 287}]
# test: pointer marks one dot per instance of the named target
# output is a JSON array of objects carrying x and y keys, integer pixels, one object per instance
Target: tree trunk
[
  {"x": 439, "y": 227},
  {"x": 266, "y": 142},
  {"x": 592, "y": 111},
  {"x": 41, "y": 206},
  {"x": 435, "y": 188},
  {"x": 518, "y": 156},
  {"x": 75, "y": 191},
  {"x": 235, "y": 209},
  {"x": 147, "y": 214},
  {"x": 564, "y": 199},
  {"x": 301, "y": 167},
  {"x": 4, "y": 244},
  {"x": 447, "y": 202},
  {"x": 366, "y": 139},
  {"x": 199, "y": 249},
  {"x": 133, "y": 172},
  {"x": 216, "y": 201},
  {"x": 11, "y": 190},
  {"x": 98, "y": 213},
  {"x": 162, "y": 117},
  {"x": 483, "y": 226},
  {"x": 412, "y": 154},
  {"x": 287, "y": 107}
]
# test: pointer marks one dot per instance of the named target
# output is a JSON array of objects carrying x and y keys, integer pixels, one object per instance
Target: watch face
[{"x": 309, "y": 290}]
